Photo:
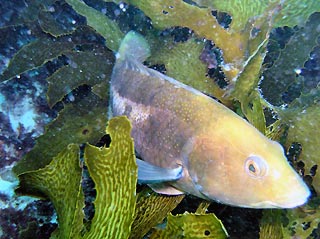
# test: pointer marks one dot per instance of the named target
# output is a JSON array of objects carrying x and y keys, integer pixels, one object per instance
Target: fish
[{"x": 188, "y": 143}]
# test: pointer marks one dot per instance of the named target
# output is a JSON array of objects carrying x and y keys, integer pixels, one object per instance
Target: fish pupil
[{"x": 252, "y": 168}]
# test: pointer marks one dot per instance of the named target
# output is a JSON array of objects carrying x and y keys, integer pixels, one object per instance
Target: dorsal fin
[{"x": 133, "y": 46}]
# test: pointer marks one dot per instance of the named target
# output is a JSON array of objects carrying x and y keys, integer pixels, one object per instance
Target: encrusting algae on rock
[{"x": 192, "y": 144}]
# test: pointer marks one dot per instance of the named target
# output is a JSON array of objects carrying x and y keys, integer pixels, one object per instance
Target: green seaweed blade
[
  {"x": 151, "y": 209},
  {"x": 182, "y": 62},
  {"x": 114, "y": 172},
  {"x": 303, "y": 222},
  {"x": 49, "y": 24},
  {"x": 296, "y": 12},
  {"x": 192, "y": 226},
  {"x": 34, "y": 55},
  {"x": 240, "y": 10},
  {"x": 90, "y": 67},
  {"x": 304, "y": 128},
  {"x": 60, "y": 181},
  {"x": 282, "y": 75},
  {"x": 79, "y": 122},
  {"x": 98, "y": 21},
  {"x": 292, "y": 12},
  {"x": 246, "y": 91},
  {"x": 22, "y": 13}
]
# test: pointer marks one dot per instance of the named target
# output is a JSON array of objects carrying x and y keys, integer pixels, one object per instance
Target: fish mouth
[
  {"x": 288, "y": 202},
  {"x": 295, "y": 200},
  {"x": 270, "y": 204},
  {"x": 292, "y": 204}
]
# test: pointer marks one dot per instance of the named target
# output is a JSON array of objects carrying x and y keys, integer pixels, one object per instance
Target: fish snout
[{"x": 296, "y": 195}]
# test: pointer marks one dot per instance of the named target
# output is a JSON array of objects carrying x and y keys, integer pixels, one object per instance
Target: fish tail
[{"x": 133, "y": 46}]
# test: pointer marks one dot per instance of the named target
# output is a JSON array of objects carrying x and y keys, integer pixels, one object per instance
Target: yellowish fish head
[{"x": 253, "y": 174}]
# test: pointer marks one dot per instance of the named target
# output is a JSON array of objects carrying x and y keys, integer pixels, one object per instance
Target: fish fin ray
[
  {"x": 150, "y": 174},
  {"x": 138, "y": 67}
]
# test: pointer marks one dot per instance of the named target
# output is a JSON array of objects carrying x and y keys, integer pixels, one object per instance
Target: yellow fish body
[{"x": 220, "y": 156}]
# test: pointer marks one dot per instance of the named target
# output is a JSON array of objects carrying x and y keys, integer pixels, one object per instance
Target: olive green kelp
[
  {"x": 189, "y": 225},
  {"x": 114, "y": 173}
]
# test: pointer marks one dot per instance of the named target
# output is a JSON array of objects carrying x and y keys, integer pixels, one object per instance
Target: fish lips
[{"x": 296, "y": 198}]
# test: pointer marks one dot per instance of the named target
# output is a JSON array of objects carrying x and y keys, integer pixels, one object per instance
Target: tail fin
[{"x": 134, "y": 46}]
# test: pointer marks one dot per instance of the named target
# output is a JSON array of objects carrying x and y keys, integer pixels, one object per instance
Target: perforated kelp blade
[{"x": 114, "y": 172}]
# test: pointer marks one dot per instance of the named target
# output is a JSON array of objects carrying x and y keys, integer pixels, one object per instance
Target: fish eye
[{"x": 256, "y": 166}]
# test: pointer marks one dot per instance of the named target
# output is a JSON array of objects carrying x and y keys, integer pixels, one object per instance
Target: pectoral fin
[
  {"x": 151, "y": 174},
  {"x": 165, "y": 188}
]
